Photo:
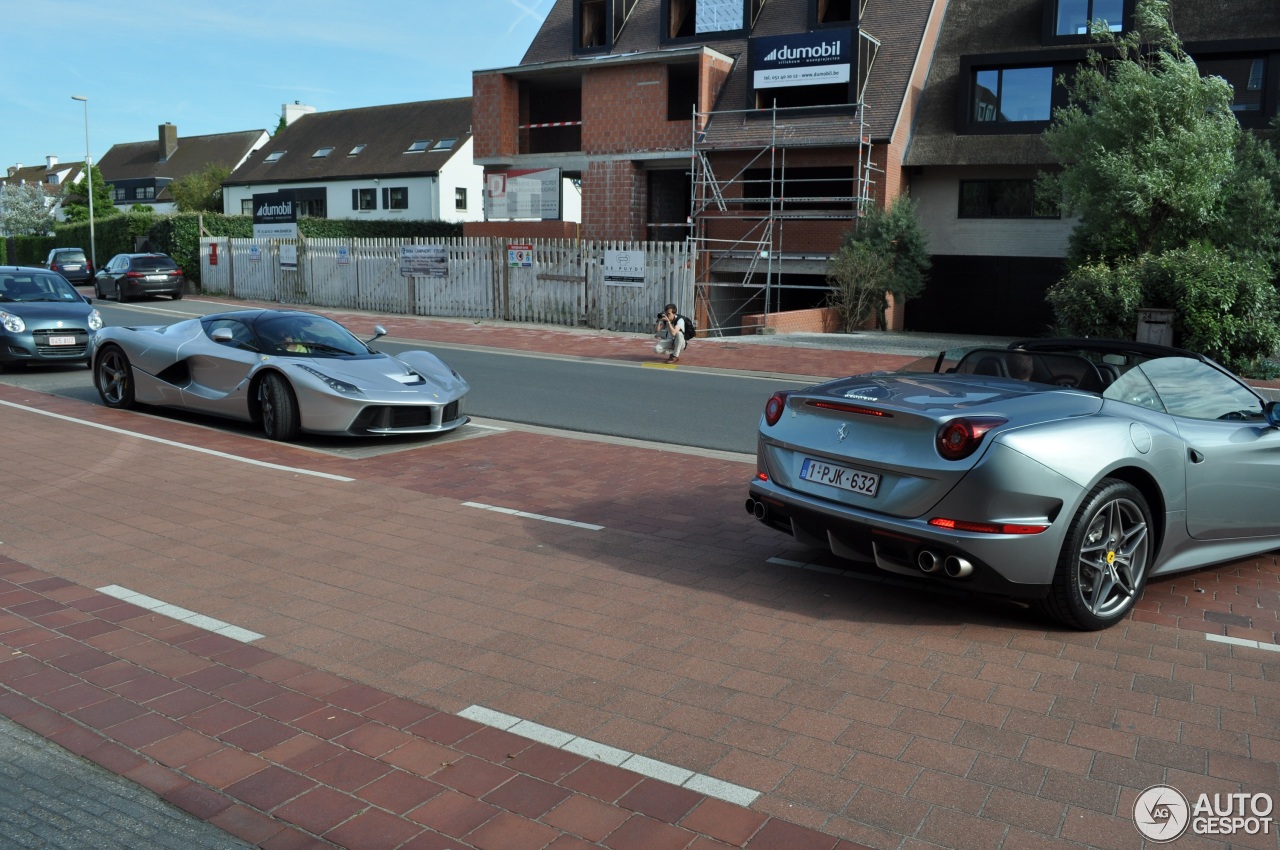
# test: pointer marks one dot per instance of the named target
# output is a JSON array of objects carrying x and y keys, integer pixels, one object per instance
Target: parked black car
[
  {"x": 133, "y": 275},
  {"x": 71, "y": 263}
]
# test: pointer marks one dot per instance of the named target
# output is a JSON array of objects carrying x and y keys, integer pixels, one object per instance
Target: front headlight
[
  {"x": 95, "y": 320},
  {"x": 332, "y": 383},
  {"x": 13, "y": 324}
]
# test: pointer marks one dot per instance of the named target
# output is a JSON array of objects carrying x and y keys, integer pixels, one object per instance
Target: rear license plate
[
  {"x": 821, "y": 472},
  {"x": 157, "y": 277},
  {"x": 62, "y": 340},
  {"x": 71, "y": 268}
]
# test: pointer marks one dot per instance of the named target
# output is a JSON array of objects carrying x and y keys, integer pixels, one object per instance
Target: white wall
[
  {"x": 424, "y": 201},
  {"x": 937, "y": 195}
]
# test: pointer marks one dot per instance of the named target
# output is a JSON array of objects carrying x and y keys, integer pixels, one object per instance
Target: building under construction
[{"x": 758, "y": 129}]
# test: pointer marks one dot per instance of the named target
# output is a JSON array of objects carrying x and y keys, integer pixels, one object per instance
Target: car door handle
[{"x": 1195, "y": 456}]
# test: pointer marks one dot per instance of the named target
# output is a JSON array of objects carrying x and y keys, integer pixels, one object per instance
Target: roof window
[
  {"x": 445, "y": 144},
  {"x": 322, "y": 152},
  {"x": 274, "y": 156},
  {"x": 356, "y": 150},
  {"x": 419, "y": 146}
]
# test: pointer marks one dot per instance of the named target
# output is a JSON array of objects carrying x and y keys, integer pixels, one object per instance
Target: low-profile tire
[
  {"x": 113, "y": 378},
  {"x": 120, "y": 299},
  {"x": 279, "y": 408},
  {"x": 97, "y": 291},
  {"x": 177, "y": 296},
  {"x": 1105, "y": 558}
]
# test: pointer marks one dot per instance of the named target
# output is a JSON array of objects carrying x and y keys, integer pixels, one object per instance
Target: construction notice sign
[
  {"x": 818, "y": 58},
  {"x": 624, "y": 268},
  {"x": 520, "y": 256},
  {"x": 522, "y": 193},
  {"x": 424, "y": 261}
]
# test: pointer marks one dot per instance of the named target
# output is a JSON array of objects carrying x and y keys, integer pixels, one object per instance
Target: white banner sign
[
  {"x": 624, "y": 268},
  {"x": 424, "y": 260},
  {"x": 522, "y": 193}
]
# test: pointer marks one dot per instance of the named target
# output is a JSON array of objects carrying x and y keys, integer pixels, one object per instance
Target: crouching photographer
[{"x": 670, "y": 333}]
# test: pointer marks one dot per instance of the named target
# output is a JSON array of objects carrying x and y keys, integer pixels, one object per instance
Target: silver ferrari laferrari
[
  {"x": 286, "y": 370},
  {"x": 1059, "y": 472}
]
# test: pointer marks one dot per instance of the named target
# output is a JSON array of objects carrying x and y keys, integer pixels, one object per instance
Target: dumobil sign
[
  {"x": 818, "y": 58},
  {"x": 275, "y": 216}
]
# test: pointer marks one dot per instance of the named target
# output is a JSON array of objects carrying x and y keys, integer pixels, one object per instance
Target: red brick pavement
[{"x": 865, "y": 712}]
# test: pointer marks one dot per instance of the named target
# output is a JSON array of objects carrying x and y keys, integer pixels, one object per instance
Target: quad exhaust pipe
[{"x": 953, "y": 566}]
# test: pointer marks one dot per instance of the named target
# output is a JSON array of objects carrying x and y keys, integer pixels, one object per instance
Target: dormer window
[
  {"x": 706, "y": 18},
  {"x": 322, "y": 153},
  {"x": 274, "y": 156},
  {"x": 419, "y": 146},
  {"x": 356, "y": 150},
  {"x": 1070, "y": 20},
  {"x": 598, "y": 23},
  {"x": 52, "y": 178}
]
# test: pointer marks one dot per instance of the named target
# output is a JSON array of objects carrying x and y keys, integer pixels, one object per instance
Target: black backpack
[{"x": 690, "y": 329}]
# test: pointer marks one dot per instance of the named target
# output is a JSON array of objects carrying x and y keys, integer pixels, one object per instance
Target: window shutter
[
  {"x": 355, "y": 199},
  {"x": 386, "y": 195}
]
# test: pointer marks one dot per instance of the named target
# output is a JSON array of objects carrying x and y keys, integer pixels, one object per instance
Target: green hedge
[{"x": 178, "y": 235}]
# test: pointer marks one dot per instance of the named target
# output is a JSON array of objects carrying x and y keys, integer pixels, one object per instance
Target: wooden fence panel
[{"x": 467, "y": 289}]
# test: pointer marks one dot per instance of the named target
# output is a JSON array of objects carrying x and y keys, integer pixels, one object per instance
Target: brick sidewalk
[{"x": 862, "y": 711}]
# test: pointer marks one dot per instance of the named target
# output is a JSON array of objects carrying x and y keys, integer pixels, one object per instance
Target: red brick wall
[
  {"x": 624, "y": 109},
  {"x": 516, "y": 231},
  {"x": 495, "y": 114},
  {"x": 614, "y": 200}
]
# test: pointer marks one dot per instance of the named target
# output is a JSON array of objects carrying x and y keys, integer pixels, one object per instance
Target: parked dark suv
[
  {"x": 133, "y": 275},
  {"x": 72, "y": 264}
]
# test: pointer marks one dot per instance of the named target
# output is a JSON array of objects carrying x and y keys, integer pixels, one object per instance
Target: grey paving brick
[{"x": 51, "y": 799}]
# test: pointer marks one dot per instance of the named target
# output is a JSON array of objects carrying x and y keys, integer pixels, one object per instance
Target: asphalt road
[{"x": 686, "y": 406}]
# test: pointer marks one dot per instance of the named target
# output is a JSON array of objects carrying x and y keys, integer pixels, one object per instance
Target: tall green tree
[
  {"x": 896, "y": 235},
  {"x": 25, "y": 210},
  {"x": 1147, "y": 145},
  {"x": 200, "y": 191},
  {"x": 75, "y": 203}
]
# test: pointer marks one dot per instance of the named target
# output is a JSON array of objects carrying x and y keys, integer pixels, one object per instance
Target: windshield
[
  {"x": 69, "y": 257},
  {"x": 305, "y": 335},
  {"x": 16, "y": 288}
]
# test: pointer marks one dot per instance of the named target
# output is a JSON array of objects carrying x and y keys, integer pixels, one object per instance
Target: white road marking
[
  {"x": 703, "y": 784},
  {"x": 1235, "y": 641},
  {"x": 191, "y": 617},
  {"x": 526, "y": 515},
  {"x": 177, "y": 445}
]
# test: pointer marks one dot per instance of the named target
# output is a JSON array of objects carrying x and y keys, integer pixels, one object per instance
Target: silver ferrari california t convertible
[
  {"x": 286, "y": 370},
  {"x": 1060, "y": 472}
]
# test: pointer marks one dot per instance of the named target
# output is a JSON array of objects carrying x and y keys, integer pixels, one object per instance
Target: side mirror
[
  {"x": 1271, "y": 410},
  {"x": 222, "y": 335},
  {"x": 378, "y": 331}
]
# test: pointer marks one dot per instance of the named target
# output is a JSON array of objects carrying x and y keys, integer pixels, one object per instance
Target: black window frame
[
  {"x": 820, "y": 20},
  {"x": 987, "y": 183},
  {"x": 389, "y": 202},
  {"x": 1061, "y": 63},
  {"x": 1049, "y": 26},
  {"x": 459, "y": 197},
  {"x": 1266, "y": 48},
  {"x": 358, "y": 197},
  {"x": 750, "y": 9}
]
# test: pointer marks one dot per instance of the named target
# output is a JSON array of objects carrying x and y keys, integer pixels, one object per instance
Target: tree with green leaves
[
  {"x": 895, "y": 235},
  {"x": 26, "y": 210},
  {"x": 1147, "y": 145},
  {"x": 200, "y": 191},
  {"x": 75, "y": 198}
]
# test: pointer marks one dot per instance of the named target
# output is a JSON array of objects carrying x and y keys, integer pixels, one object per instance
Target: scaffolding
[{"x": 753, "y": 256}]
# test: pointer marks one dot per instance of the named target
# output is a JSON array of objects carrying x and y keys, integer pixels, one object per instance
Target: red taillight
[
  {"x": 134, "y": 274},
  {"x": 774, "y": 406},
  {"x": 762, "y": 476},
  {"x": 177, "y": 272},
  {"x": 848, "y": 408},
  {"x": 960, "y": 437},
  {"x": 987, "y": 527}
]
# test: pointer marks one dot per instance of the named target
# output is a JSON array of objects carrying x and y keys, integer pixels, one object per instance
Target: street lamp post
[{"x": 88, "y": 174}]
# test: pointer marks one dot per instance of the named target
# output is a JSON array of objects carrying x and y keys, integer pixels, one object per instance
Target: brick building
[{"x": 759, "y": 129}]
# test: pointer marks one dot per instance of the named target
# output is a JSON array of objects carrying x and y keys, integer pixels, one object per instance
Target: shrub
[
  {"x": 859, "y": 275},
  {"x": 1096, "y": 300},
  {"x": 1224, "y": 308}
]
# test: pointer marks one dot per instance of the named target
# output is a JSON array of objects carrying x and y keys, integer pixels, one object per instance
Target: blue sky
[{"x": 228, "y": 65}]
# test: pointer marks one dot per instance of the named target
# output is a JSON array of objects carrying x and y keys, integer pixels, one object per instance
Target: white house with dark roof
[
  {"x": 406, "y": 160},
  {"x": 54, "y": 178},
  {"x": 140, "y": 172}
]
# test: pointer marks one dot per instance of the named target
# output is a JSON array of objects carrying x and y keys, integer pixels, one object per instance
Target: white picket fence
[{"x": 565, "y": 284}]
